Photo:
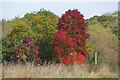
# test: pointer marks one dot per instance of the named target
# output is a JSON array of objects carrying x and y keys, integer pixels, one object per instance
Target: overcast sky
[{"x": 11, "y": 9}]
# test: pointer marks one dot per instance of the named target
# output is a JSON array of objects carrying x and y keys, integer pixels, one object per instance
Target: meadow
[{"x": 29, "y": 70}]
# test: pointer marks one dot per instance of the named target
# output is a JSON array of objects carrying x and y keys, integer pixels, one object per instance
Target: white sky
[
  {"x": 59, "y": 0},
  {"x": 11, "y": 8}
]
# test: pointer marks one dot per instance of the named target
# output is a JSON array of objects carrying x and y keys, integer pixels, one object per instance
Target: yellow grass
[{"x": 55, "y": 71}]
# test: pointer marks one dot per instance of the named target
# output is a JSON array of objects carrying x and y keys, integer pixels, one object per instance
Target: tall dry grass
[{"x": 55, "y": 71}]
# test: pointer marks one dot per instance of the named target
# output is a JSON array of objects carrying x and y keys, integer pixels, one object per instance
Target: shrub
[
  {"x": 19, "y": 29},
  {"x": 90, "y": 48},
  {"x": 91, "y": 53},
  {"x": 27, "y": 52},
  {"x": 43, "y": 28},
  {"x": 70, "y": 40}
]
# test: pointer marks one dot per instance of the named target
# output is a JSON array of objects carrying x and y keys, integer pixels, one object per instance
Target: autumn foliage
[
  {"x": 27, "y": 52},
  {"x": 40, "y": 25},
  {"x": 70, "y": 40}
]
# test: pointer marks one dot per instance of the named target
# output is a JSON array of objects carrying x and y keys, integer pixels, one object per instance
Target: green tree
[{"x": 41, "y": 26}]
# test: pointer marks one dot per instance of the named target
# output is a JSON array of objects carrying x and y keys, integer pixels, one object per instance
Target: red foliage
[
  {"x": 28, "y": 51},
  {"x": 70, "y": 40}
]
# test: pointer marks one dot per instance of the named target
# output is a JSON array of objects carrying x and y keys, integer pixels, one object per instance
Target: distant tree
[{"x": 106, "y": 20}]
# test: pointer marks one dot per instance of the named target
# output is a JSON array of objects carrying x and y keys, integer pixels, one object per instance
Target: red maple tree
[{"x": 70, "y": 40}]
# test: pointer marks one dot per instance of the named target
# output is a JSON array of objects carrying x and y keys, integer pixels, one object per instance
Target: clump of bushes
[
  {"x": 41, "y": 26},
  {"x": 27, "y": 52}
]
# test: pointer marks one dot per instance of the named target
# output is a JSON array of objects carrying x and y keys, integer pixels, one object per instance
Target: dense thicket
[{"x": 41, "y": 26}]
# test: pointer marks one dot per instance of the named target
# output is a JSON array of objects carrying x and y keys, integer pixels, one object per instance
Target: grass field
[{"x": 55, "y": 71}]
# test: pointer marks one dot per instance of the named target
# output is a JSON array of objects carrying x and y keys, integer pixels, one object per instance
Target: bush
[
  {"x": 13, "y": 40},
  {"x": 43, "y": 28},
  {"x": 91, "y": 51},
  {"x": 26, "y": 52}
]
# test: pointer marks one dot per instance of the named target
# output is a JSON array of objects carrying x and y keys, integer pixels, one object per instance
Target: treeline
[
  {"x": 104, "y": 32},
  {"x": 40, "y": 27},
  {"x": 106, "y": 20}
]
